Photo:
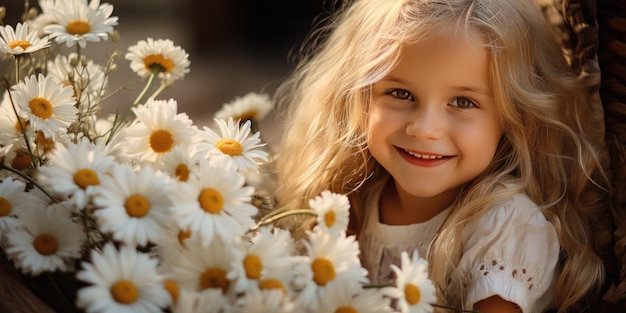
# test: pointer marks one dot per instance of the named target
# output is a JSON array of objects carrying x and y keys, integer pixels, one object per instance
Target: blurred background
[{"x": 235, "y": 47}]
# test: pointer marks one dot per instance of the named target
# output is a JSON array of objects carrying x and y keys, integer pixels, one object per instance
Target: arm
[{"x": 495, "y": 304}]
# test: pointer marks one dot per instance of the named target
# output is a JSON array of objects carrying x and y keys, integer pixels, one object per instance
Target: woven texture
[
  {"x": 612, "y": 60},
  {"x": 592, "y": 34}
]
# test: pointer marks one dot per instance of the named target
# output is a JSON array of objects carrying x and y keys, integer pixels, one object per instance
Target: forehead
[{"x": 455, "y": 59}]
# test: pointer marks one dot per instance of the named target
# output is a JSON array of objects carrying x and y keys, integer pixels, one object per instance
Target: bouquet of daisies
[{"x": 146, "y": 211}]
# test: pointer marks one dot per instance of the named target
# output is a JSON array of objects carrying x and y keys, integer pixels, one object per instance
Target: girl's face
[{"x": 433, "y": 123}]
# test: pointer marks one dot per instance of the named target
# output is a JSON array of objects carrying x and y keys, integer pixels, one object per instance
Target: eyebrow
[{"x": 474, "y": 89}]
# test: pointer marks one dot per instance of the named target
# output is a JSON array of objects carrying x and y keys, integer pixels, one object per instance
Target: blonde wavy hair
[{"x": 546, "y": 150}]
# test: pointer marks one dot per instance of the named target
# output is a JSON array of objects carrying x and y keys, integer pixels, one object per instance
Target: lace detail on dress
[{"x": 503, "y": 269}]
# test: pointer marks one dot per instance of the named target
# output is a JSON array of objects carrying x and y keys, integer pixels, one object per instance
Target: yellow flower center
[
  {"x": 24, "y": 123},
  {"x": 248, "y": 115},
  {"x": 173, "y": 288},
  {"x": 214, "y": 278},
  {"x": 46, "y": 244},
  {"x": 412, "y": 294},
  {"x": 77, "y": 28},
  {"x": 22, "y": 160},
  {"x": 124, "y": 292},
  {"x": 211, "y": 200},
  {"x": 272, "y": 284},
  {"x": 230, "y": 147},
  {"x": 19, "y": 43},
  {"x": 161, "y": 141},
  {"x": 41, "y": 107},
  {"x": 182, "y": 235},
  {"x": 5, "y": 207},
  {"x": 323, "y": 271},
  {"x": 253, "y": 265},
  {"x": 43, "y": 142},
  {"x": 182, "y": 172},
  {"x": 85, "y": 177},
  {"x": 346, "y": 309},
  {"x": 329, "y": 218},
  {"x": 158, "y": 63},
  {"x": 137, "y": 206}
]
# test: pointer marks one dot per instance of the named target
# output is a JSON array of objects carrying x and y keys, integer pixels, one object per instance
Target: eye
[
  {"x": 463, "y": 103},
  {"x": 401, "y": 94}
]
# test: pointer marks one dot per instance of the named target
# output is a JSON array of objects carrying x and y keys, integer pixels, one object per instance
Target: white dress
[{"x": 512, "y": 252}]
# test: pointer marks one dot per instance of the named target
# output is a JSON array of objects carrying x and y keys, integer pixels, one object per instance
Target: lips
[{"x": 423, "y": 159}]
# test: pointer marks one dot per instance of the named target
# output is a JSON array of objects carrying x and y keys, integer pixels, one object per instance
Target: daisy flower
[
  {"x": 252, "y": 106},
  {"x": 172, "y": 244},
  {"x": 414, "y": 291},
  {"x": 371, "y": 300},
  {"x": 14, "y": 198},
  {"x": 215, "y": 203},
  {"x": 121, "y": 281},
  {"x": 333, "y": 260},
  {"x": 158, "y": 56},
  {"x": 179, "y": 164},
  {"x": 266, "y": 251},
  {"x": 233, "y": 145},
  {"x": 47, "y": 105},
  {"x": 203, "y": 301},
  {"x": 133, "y": 206},
  {"x": 74, "y": 170},
  {"x": 16, "y": 157},
  {"x": 87, "y": 78},
  {"x": 10, "y": 128},
  {"x": 21, "y": 40},
  {"x": 157, "y": 130},
  {"x": 202, "y": 267},
  {"x": 44, "y": 18},
  {"x": 332, "y": 212},
  {"x": 49, "y": 241},
  {"x": 79, "y": 22},
  {"x": 278, "y": 278},
  {"x": 265, "y": 301}
]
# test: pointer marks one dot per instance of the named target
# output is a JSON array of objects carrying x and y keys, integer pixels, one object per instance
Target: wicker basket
[
  {"x": 612, "y": 59},
  {"x": 593, "y": 36}
]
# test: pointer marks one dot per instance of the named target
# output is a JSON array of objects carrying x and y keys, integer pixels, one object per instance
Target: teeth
[{"x": 424, "y": 156}]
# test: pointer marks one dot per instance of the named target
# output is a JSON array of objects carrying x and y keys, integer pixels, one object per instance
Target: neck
[{"x": 397, "y": 207}]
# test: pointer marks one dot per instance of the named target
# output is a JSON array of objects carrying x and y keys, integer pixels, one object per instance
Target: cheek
[
  {"x": 480, "y": 141},
  {"x": 385, "y": 119}
]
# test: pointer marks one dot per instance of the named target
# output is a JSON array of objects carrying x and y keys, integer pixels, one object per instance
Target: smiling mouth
[{"x": 424, "y": 156}]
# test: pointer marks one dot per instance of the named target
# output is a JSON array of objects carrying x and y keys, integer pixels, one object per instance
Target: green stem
[
  {"x": 119, "y": 122},
  {"x": 145, "y": 89},
  {"x": 160, "y": 89},
  {"x": 276, "y": 217},
  {"x": 23, "y": 129},
  {"x": 274, "y": 212},
  {"x": 30, "y": 180},
  {"x": 371, "y": 286},
  {"x": 17, "y": 68}
]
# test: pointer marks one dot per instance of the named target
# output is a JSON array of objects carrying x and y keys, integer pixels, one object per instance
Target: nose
[{"x": 427, "y": 122}]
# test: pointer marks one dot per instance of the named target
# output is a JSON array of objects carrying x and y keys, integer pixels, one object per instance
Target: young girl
[{"x": 457, "y": 128}]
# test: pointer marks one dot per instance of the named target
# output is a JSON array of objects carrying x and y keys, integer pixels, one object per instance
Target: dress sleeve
[{"x": 512, "y": 251}]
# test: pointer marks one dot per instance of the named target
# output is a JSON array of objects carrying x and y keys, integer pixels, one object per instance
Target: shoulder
[
  {"x": 511, "y": 251},
  {"x": 517, "y": 211},
  {"x": 514, "y": 229}
]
